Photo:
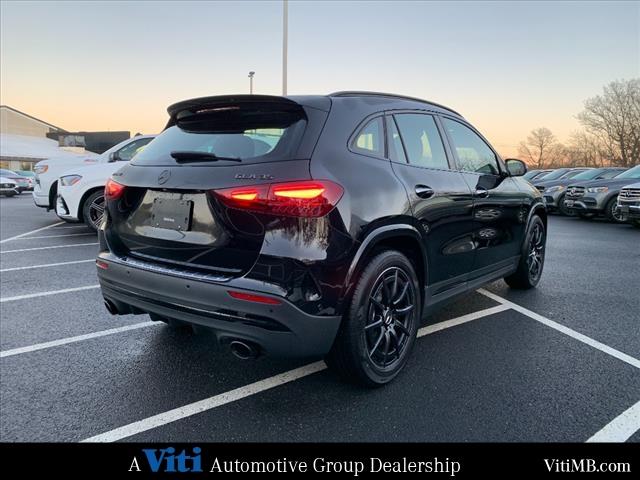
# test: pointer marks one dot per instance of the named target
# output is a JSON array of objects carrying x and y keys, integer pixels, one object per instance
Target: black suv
[{"x": 315, "y": 225}]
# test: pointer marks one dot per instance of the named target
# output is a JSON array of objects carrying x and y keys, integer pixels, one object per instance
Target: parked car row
[
  {"x": 8, "y": 187},
  {"x": 74, "y": 188},
  {"x": 22, "y": 182},
  {"x": 587, "y": 192}
]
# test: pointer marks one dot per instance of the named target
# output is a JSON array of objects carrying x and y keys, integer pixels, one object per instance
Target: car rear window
[{"x": 251, "y": 133}]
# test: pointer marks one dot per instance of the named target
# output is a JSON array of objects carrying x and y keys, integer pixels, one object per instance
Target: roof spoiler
[
  {"x": 202, "y": 104},
  {"x": 220, "y": 100}
]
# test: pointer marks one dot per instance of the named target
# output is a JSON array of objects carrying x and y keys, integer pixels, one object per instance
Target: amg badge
[{"x": 254, "y": 176}]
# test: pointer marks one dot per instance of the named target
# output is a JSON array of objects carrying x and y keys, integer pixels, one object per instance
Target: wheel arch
[
  {"x": 53, "y": 192},
  {"x": 402, "y": 237},
  {"x": 86, "y": 195},
  {"x": 541, "y": 211}
]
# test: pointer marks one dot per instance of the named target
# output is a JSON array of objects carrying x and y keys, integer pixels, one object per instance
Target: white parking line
[
  {"x": 239, "y": 393},
  {"x": 46, "y": 294},
  {"x": 29, "y": 233},
  {"x": 207, "y": 404},
  {"x": 58, "y": 236},
  {"x": 47, "y": 248},
  {"x": 45, "y": 265},
  {"x": 460, "y": 320},
  {"x": 566, "y": 330},
  {"x": 621, "y": 428},
  {"x": 78, "y": 338}
]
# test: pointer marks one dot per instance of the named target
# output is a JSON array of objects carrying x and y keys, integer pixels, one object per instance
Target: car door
[
  {"x": 440, "y": 199},
  {"x": 499, "y": 212}
]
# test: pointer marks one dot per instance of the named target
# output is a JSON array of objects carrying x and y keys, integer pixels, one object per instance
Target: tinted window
[
  {"x": 611, "y": 174},
  {"x": 127, "y": 152},
  {"x": 370, "y": 138},
  {"x": 396, "y": 150},
  {"x": 631, "y": 173},
  {"x": 588, "y": 174},
  {"x": 473, "y": 153},
  {"x": 555, "y": 174},
  {"x": 572, "y": 174},
  {"x": 422, "y": 140},
  {"x": 252, "y": 132}
]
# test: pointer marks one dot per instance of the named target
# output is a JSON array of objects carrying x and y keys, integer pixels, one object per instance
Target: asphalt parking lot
[{"x": 558, "y": 363}]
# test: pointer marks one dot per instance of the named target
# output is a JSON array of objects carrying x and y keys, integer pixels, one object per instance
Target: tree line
[{"x": 610, "y": 134}]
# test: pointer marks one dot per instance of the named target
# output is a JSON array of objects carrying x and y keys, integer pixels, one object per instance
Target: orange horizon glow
[{"x": 61, "y": 65}]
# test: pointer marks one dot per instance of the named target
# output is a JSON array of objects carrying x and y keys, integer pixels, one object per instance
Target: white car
[
  {"x": 48, "y": 171},
  {"x": 80, "y": 191},
  {"x": 8, "y": 187}
]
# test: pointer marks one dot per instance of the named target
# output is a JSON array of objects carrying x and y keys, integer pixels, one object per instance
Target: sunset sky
[{"x": 507, "y": 67}]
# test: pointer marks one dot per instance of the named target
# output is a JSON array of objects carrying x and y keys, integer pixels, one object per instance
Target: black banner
[{"x": 354, "y": 460}]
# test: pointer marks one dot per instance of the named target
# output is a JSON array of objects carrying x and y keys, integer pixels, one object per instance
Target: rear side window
[
  {"x": 253, "y": 133},
  {"x": 370, "y": 138},
  {"x": 422, "y": 140},
  {"x": 473, "y": 153}
]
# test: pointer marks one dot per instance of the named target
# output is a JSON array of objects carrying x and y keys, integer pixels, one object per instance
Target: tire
[
  {"x": 612, "y": 213},
  {"x": 374, "y": 330},
  {"x": 531, "y": 261},
  {"x": 171, "y": 322},
  {"x": 564, "y": 210},
  {"x": 93, "y": 209},
  {"x": 9, "y": 195}
]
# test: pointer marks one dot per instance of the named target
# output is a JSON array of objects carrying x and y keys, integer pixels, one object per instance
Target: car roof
[{"x": 399, "y": 98}]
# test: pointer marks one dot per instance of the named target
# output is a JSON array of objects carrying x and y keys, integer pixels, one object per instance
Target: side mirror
[
  {"x": 515, "y": 167},
  {"x": 114, "y": 157}
]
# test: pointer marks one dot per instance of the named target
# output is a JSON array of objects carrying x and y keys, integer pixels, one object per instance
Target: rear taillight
[
  {"x": 113, "y": 190},
  {"x": 308, "y": 198}
]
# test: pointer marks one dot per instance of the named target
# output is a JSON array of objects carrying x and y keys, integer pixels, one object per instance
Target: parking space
[{"x": 558, "y": 363}]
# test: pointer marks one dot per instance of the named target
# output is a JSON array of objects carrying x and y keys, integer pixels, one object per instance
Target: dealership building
[{"x": 25, "y": 140}]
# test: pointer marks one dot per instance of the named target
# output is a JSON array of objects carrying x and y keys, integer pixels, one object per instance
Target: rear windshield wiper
[{"x": 195, "y": 156}]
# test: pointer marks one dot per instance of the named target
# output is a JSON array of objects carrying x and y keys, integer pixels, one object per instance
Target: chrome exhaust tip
[
  {"x": 111, "y": 307},
  {"x": 244, "y": 350}
]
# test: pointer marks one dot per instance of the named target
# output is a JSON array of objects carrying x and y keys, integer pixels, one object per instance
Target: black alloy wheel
[
  {"x": 389, "y": 317},
  {"x": 531, "y": 263},
  {"x": 380, "y": 326},
  {"x": 535, "y": 257}
]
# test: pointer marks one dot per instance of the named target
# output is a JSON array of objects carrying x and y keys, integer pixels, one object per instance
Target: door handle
[
  {"x": 424, "y": 192},
  {"x": 482, "y": 192}
]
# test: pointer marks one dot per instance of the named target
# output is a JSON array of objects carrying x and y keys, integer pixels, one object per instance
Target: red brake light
[
  {"x": 310, "y": 198},
  {"x": 249, "y": 297},
  {"x": 113, "y": 190}
]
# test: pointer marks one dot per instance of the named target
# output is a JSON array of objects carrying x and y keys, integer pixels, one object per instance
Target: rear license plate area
[{"x": 171, "y": 214}]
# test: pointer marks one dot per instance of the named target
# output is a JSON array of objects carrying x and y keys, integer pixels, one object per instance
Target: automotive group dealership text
[{"x": 159, "y": 461}]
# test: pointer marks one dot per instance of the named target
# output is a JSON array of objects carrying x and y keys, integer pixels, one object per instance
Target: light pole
[
  {"x": 251, "y": 74},
  {"x": 285, "y": 21}
]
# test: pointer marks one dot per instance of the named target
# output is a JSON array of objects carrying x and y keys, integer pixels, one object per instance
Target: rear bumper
[{"x": 280, "y": 330}]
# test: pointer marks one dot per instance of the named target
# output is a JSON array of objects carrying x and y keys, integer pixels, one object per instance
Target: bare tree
[
  {"x": 541, "y": 149},
  {"x": 586, "y": 150},
  {"x": 614, "y": 119}
]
